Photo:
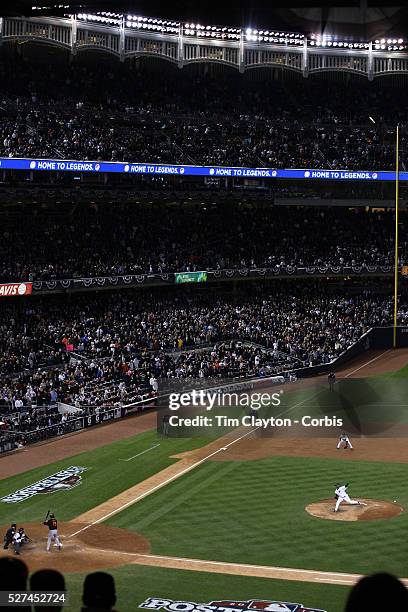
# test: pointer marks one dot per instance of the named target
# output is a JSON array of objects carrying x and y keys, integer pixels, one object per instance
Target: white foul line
[
  {"x": 173, "y": 562},
  {"x": 246, "y": 565},
  {"x": 366, "y": 364},
  {"x": 331, "y": 580},
  {"x": 142, "y": 453},
  {"x": 160, "y": 485},
  {"x": 197, "y": 463},
  {"x": 174, "y": 477},
  {"x": 321, "y": 390},
  {"x": 313, "y": 573}
]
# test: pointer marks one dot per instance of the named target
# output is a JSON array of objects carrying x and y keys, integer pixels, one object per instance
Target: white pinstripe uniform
[
  {"x": 343, "y": 497},
  {"x": 344, "y": 440}
]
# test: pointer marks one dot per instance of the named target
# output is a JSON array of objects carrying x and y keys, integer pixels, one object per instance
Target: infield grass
[
  {"x": 254, "y": 512},
  {"x": 107, "y": 475}
]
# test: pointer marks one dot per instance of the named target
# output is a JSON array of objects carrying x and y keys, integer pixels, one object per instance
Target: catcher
[
  {"x": 8, "y": 538},
  {"x": 20, "y": 538}
]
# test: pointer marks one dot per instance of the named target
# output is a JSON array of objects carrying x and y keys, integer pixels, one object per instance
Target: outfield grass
[
  {"x": 135, "y": 583},
  {"x": 105, "y": 477},
  {"x": 253, "y": 512}
]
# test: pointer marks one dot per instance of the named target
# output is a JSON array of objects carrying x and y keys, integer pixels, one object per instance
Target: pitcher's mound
[
  {"x": 95, "y": 547},
  {"x": 375, "y": 509}
]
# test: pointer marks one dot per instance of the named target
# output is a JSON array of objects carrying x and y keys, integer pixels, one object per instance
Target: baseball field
[{"x": 231, "y": 518}]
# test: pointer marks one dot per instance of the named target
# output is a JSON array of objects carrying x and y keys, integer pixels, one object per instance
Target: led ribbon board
[{"x": 61, "y": 165}]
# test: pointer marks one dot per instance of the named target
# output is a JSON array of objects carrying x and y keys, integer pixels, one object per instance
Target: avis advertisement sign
[
  {"x": 15, "y": 289},
  {"x": 252, "y": 605}
]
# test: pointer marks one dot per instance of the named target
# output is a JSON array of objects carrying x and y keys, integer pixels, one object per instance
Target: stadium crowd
[
  {"x": 88, "y": 241},
  {"x": 100, "y": 351},
  {"x": 112, "y": 350},
  {"x": 111, "y": 112}
]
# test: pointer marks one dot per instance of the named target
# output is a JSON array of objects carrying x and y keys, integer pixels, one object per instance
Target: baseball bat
[{"x": 48, "y": 513}]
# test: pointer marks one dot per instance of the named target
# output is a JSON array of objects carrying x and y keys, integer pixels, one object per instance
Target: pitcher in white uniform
[{"x": 341, "y": 495}]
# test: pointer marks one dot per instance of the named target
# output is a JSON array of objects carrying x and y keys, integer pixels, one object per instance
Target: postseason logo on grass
[
  {"x": 268, "y": 605},
  {"x": 64, "y": 480}
]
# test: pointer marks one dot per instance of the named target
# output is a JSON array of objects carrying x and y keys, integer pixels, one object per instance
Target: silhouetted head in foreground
[
  {"x": 99, "y": 591},
  {"x": 13, "y": 574},
  {"x": 47, "y": 580},
  {"x": 377, "y": 592}
]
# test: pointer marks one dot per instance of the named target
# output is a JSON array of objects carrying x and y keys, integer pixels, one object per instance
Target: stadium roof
[{"x": 364, "y": 19}]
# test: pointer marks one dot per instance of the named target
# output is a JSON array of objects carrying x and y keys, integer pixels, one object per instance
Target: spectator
[
  {"x": 230, "y": 237},
  {"x": 13, "y": 577},
  {"x": 99, "y": 594},
  {"x": 377, "y": 592},
  {"x": 47, "y": 580}
]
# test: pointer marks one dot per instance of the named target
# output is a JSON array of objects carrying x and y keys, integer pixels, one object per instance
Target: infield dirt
[
  {"x": 374, "y": 509},
  {"x": 97, "y": 547}
]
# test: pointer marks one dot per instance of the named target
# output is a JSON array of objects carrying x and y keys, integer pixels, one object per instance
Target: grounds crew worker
[
  {"x": 52, "y": 525},
  {"x": 8, "y": 538},
  {"x": 166, "y": 424}
]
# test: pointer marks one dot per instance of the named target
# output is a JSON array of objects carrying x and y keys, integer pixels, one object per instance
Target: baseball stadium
[{"x": 203, "y": 307}]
